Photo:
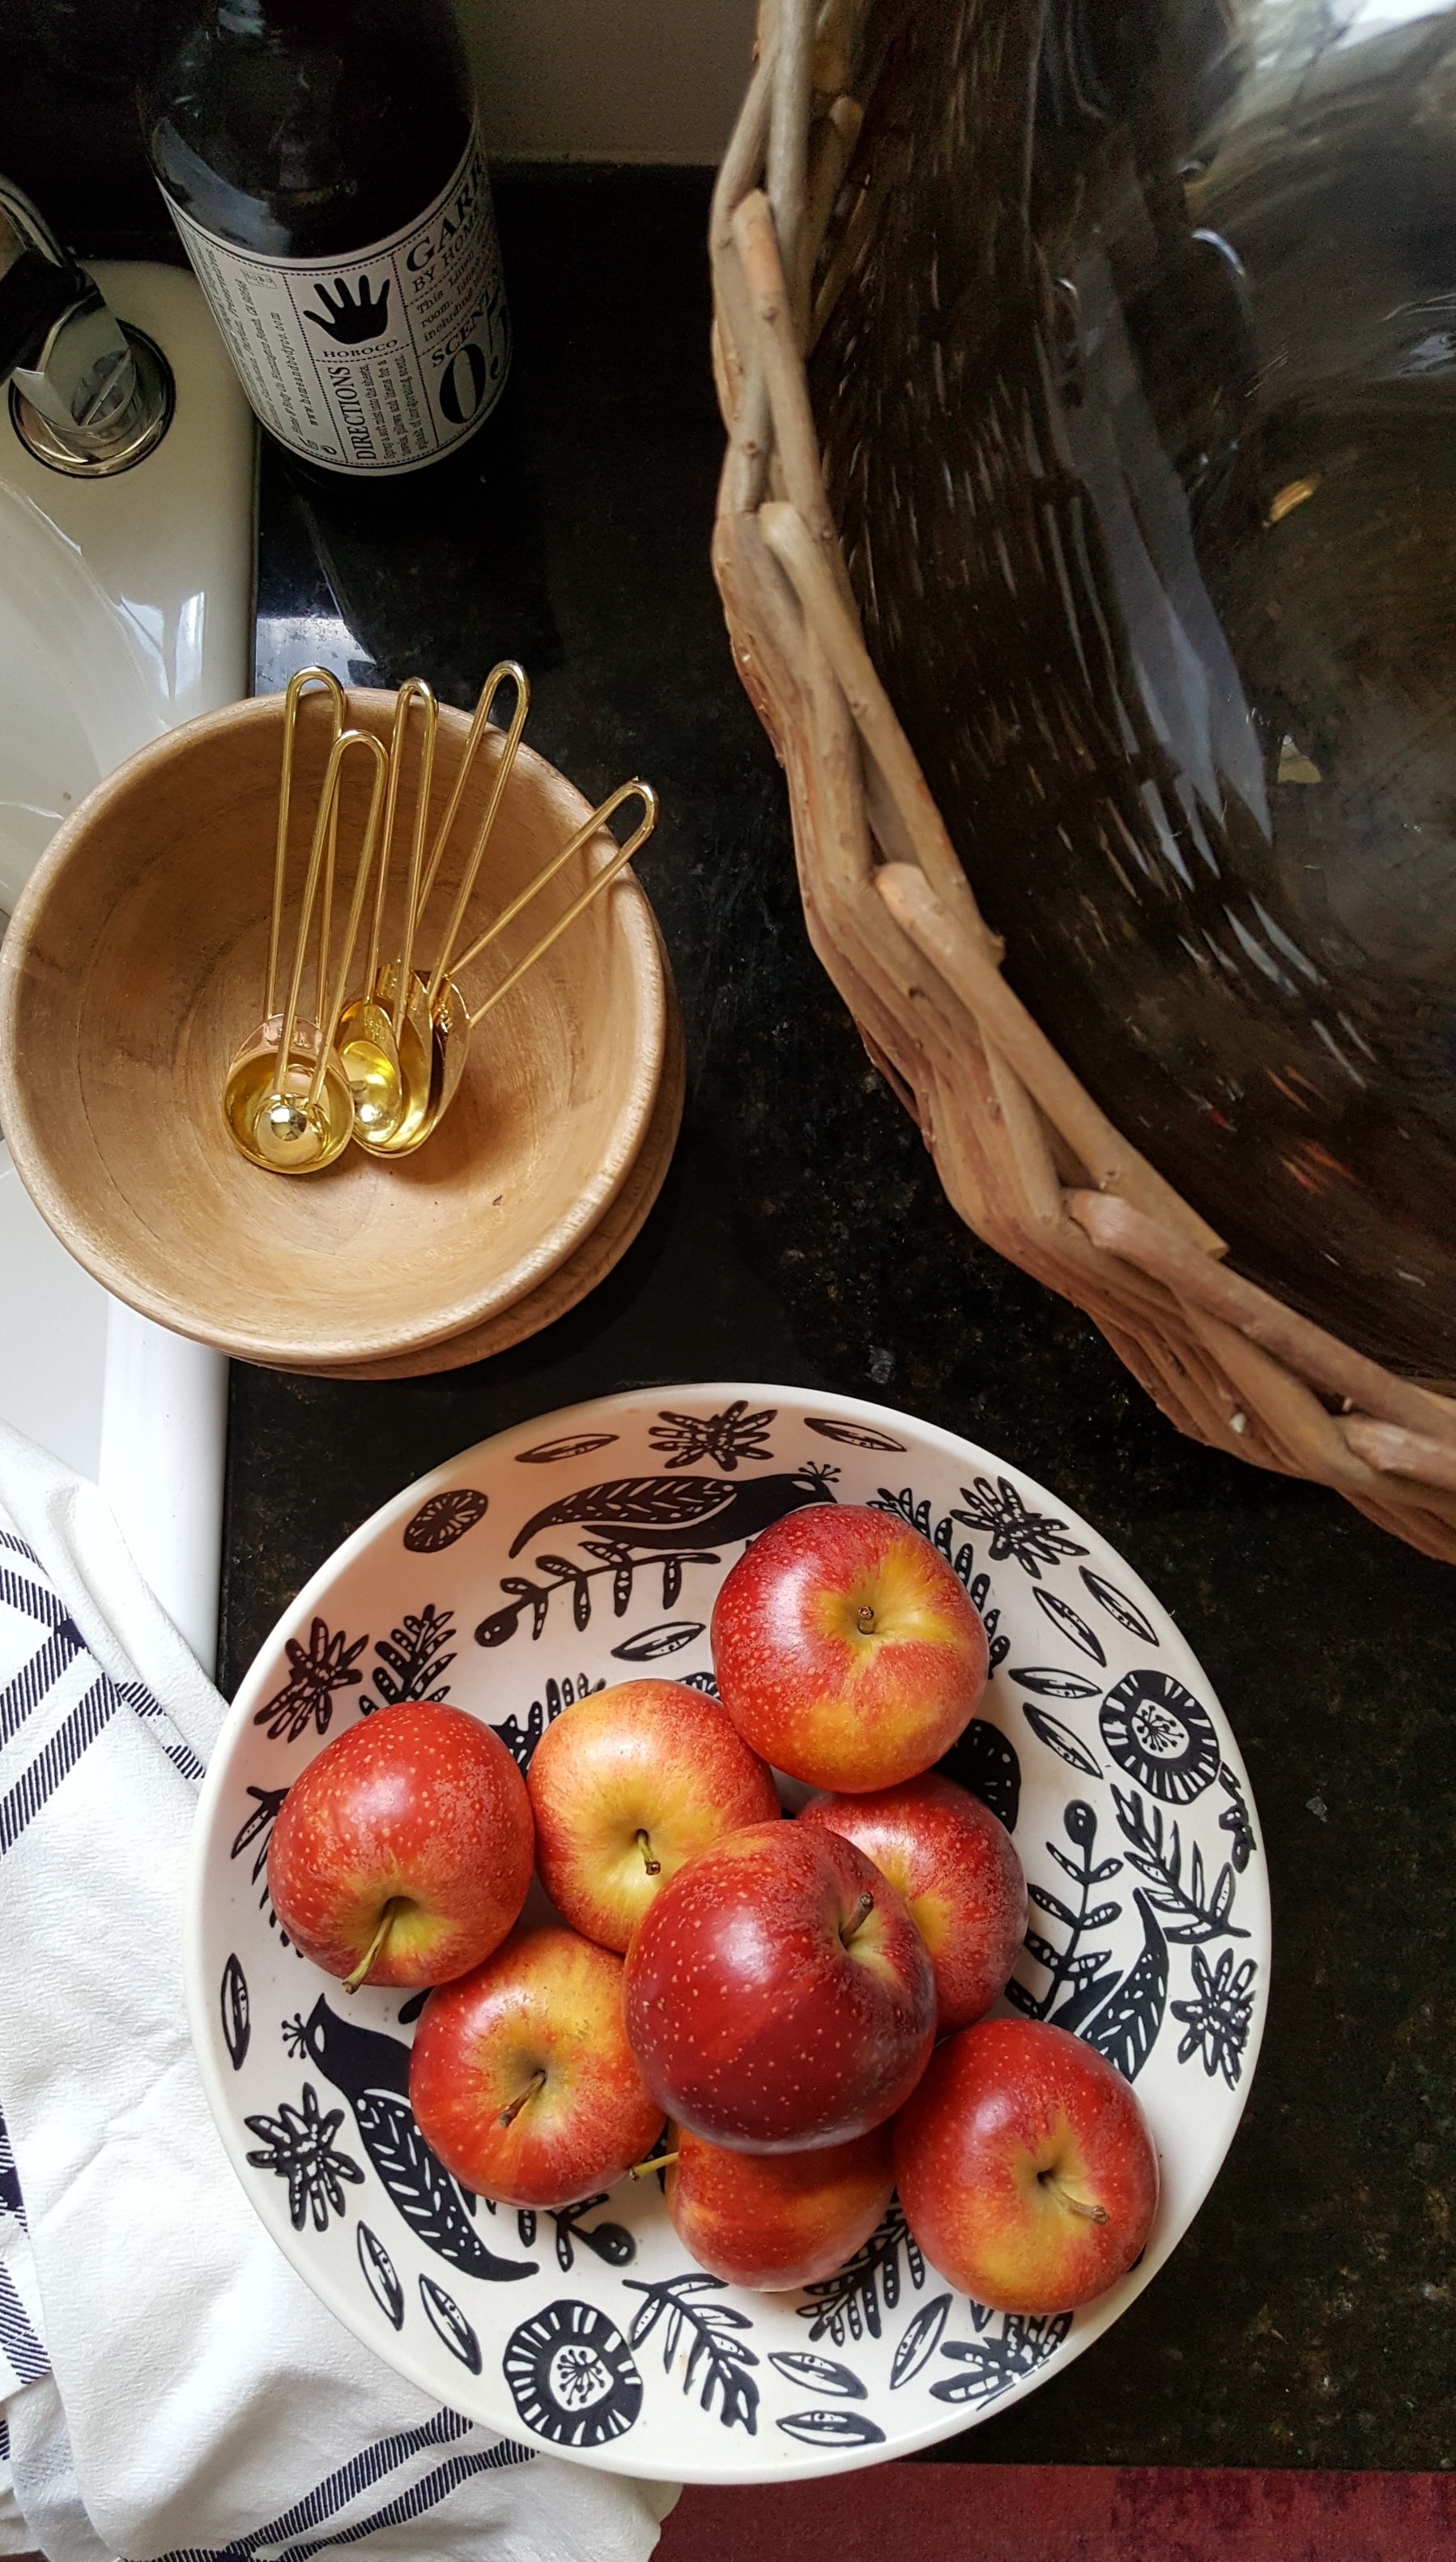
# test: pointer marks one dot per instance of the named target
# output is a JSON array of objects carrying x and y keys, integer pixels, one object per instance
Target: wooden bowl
[
  {"x": 134, "y": 965},
  {"x": 598, "y": 1253}
]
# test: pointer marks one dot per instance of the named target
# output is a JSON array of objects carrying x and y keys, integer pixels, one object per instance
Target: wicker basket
[{"x": 1026, "y": 1155}]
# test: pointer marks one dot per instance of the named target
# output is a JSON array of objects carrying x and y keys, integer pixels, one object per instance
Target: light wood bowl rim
[{"x": 81, "y": 1226}]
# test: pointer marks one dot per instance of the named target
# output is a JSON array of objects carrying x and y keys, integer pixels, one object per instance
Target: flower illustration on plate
[
  {"x": 298, "y": 2144},
  {"x": 1161, "y": 1736},
  {"x": 724, "y": 1439},
  {"x": 316, "y": 1670},
  {"x": 1216, "y": 2022},
  {"x": 1034, "y": 1539}
]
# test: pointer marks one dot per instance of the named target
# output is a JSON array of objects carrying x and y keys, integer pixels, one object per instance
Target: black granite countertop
[{"x": 803, "y": 1238}]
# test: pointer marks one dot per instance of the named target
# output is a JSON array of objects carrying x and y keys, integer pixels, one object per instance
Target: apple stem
[
  {"x": 1078, "y": 2205},
  {"x": 652, "y": 1866},
  {"x": 396, "y": 1905},
  {"x": 659, "y": 2161},
  {"x": 860, "y": 1915},
  {"x": 536, "y": 2083}
]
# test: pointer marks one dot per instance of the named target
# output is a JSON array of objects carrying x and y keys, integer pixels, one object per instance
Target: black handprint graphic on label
[{"x": 351, "y": 318}]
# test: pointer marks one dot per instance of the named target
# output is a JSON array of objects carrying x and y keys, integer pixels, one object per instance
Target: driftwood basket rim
[{"x": 1026, "y": 1155}]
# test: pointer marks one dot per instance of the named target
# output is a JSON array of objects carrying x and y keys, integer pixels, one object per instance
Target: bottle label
[{"x": 379, "y": 361}]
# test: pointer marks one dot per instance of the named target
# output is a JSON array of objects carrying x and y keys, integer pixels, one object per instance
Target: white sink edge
[{"x": 145, "y": 1410}]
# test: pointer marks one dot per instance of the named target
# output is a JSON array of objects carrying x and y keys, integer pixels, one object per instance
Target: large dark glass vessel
[
  {"x": 1139, "y": 407},
  {"x": 323, "y": 165}
]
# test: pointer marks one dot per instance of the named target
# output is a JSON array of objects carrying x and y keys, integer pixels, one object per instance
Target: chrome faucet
[{"x": 88, "y": 395}]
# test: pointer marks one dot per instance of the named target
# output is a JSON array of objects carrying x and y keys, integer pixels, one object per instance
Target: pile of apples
[{"x": 804, "y": 1999}]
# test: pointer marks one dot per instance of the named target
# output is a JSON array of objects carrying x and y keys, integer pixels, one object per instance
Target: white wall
[{"x": 609, "y": 79}]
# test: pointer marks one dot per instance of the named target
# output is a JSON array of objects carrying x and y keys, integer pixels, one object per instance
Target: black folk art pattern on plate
[
  {"x": 571, "y": 2373},
  {"x": 685, "y": 2313},
  {"x": 372, "y": 2073},
  {"x": 725, "y": 1440},
  {"x": 1179, "y": 1905},
  {"x": 633, "y": 1527},
  {"x": 299, "y": 2145},
  {"x": 327, "y": 1664},
  {"x": 572, "y": 2376},
  {"x": 444, "y": 1518},
  {"x": 410, "y": 1663},
  {"x": 521, "y": 1741}
]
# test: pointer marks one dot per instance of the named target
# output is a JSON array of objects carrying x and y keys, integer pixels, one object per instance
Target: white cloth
[{"x": 168, "y": 2386}]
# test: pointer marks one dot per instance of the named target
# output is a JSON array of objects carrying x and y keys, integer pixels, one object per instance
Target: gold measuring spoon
[
  {"x": 454, "y": 1021},
  {"x": 384, "y": 1032},
  {"x": 286, "y": 1099},
  {"x": 436, "y": 1007}
]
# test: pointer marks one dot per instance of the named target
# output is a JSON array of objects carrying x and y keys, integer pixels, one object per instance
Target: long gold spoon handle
[
  {"x": 365, "y": 739},
  {"x": 479, "y": 724},
  {"x": 472, "y": 871},
  {"x": 298, "y": 685},
  {"x": 412, "y": 899},
  {"x": 603, "y": 880},
  {"x": 414, "y": 687},
  {"x": 589, "y": 828}
]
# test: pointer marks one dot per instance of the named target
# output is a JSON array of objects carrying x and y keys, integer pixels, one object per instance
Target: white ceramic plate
[{"x": 576, "y": 1550}]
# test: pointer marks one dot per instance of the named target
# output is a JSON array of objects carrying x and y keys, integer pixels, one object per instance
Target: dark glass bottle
[{"x": 321, "y": 161}]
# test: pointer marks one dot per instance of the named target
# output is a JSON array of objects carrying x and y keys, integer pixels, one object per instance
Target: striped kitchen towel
[{"x": 168, "y": 2386}]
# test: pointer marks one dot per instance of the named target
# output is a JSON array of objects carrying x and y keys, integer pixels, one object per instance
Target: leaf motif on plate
[
  {"x": 653, "y": 1643},
  {"x": 920, "y": 2341},
  {"x": 444, "y": 1518},
  {"x": 572, "y": 1445},
  {"x": 858, "y": 1436},
  {"x": 1078, "y": 1977},
  {"x": 1125, "y": 2028},
  {"x": 832, "y": 2429},
  {"x": 856, "y": 2299},
  {"x": 237, "y": 2026},
  {"x": 449, "y": 2322},
  {"x": 1119, "y": 1607},
  {"x": 825, "y": 2373},
  {"x": 1190, "y": 1911},
  {"x": 1060, "y": 1739},
  {"x": 380, "y": 2276},
  {"x": 989, "y": 2365},
  {"x": 983, "y": 1761},
  {"x": 1071, "y": 1625},
  {"x": 1047, "y": 1681},
  {"x": 716, "y": 2358},
  {"x": 410, "y": 1663},
  {"x": 521, "y": 1741}
]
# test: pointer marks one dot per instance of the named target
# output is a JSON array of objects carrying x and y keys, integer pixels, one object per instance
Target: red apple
[
  {"x": 629, "y": 1784},
  {"x": 767, "y": 2220},
  {"x": 957, "y": 1867},
  {"x": 402, "y": 1855},
  {"x": 845, "y": 1648},
  {"x": 522, "y": 2079},
  {"x": 777, "y": 1993},
  {"x": 1026, "y": 2167}
]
